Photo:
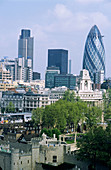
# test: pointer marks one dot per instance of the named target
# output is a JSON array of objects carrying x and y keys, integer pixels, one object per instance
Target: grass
[
  {"x": 69, "y": 141},
  {"x": 70, "y": 134},
  {"x": 78, "y": 134}
]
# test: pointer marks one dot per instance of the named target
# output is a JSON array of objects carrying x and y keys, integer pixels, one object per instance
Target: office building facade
[
  {"x": 51, "y": 72},
  {"x": 36, "y": 76},
  {"x": 69, "y": 81},
  {"x": 58, "y": 58},
  {"x": 25, "y": 56},
  {"x": 5, "y": 75},
  {"x": 9, "y": 64},
  {"x": 69, "y": 66},
  {"x": 94, "y": 52}
]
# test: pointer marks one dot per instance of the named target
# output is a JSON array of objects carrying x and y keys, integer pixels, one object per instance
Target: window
[{"x": 54, "y": 158}]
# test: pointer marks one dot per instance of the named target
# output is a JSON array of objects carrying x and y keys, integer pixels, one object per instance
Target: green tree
[
  {"x": 55, "y": 115},
  {"x": 69, "y": 96},
  {"x": 93, "y": 116},
  {"x": 61, "y": 114},
  {"x": 44, "y": 130},
  {"x": 37, "y": 116},
  {"x": 56, "y": 132},
  {"x": 50, "y": 116},
  {"x": 10, "y": 108},
  {"x": 95, "y": 146},
  {"x": 107, "y": 105},
  {"x": 50, "y": 132},
  {"x": 76, "y": 114}
]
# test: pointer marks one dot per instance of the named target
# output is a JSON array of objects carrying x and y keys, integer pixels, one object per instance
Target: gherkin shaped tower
[{"x": 94, "y": 53}]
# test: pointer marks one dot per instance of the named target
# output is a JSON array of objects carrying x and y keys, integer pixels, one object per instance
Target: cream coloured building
[
  {"x": 84, "y": 89},
  {"x": 5, "y": 78}
]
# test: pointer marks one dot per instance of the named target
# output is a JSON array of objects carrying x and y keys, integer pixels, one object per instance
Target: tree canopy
[
  {"x": 65, "y": 112},
  {"x": 107, "y": 105},
  {"x": 96, "y": 146},
  {"x": 10, "y": 108}
]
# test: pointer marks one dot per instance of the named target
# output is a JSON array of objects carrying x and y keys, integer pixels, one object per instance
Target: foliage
[
  {"x": 56, "y": 132},
  {"x": 69, "y": 96},
  {"x": 93, "y": 116},
  {"x": 65, "y": 112},
  {"x": 96, "y": 146},
  {"x": 107, "y": 105},
  {"x": 70, "y": 141},
  {"x": 10, "y": 108},
  {"x": 50, "y": 132},
  {"x": 55, "y": 115},
  {"x": 2, "y": 110},
  {"x": 37, "y": 115}
]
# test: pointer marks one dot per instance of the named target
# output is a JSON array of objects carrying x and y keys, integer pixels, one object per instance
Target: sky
[{"x": 62, "y": 24}]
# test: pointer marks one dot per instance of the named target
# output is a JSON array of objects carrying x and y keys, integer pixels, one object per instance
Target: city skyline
[{"x": 57, "y": 24}]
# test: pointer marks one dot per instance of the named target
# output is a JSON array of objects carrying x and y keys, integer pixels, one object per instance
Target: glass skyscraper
[
  {"x": 58, "y": 58},
  {"x": 94, "y": 53},
  {"x": 25, "y": 56}
]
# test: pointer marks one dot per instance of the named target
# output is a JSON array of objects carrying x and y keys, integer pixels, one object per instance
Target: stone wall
[
  {"x": 21, "y": 160},
  {"x": 5, "y": 160},
  {"x": 48, "y": 151}
]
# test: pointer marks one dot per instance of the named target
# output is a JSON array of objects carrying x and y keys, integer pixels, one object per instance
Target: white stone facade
[{"x": 84, "y": 89}]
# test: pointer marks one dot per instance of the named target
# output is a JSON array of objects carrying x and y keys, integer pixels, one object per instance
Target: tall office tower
[
  {"x": 25, "y": 56},
  {"x": 58, "y": 58},
  {"x": 94, "y": 53},
  {"x": 69, "y": 66}
]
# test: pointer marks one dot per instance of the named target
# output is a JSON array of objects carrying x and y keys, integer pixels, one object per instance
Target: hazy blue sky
[{"x": 54, "y": 24}]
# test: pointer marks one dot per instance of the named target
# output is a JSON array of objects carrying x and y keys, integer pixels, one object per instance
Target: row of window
[
  {"x": 21, "y": 162},
  {"x": 11, "y": 96}
]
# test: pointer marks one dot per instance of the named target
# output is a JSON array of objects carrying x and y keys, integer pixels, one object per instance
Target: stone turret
[{"x": 14, "y": 159}]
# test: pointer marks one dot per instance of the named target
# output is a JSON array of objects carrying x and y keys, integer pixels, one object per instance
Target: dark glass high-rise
[
  {"x": 58, "y": 58},
  {"x": 94, "y": 52}
]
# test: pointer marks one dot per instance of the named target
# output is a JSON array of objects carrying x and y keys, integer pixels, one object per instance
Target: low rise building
[
  {"x": 32, "y": 101},
  {"x": 68, "y": 80},
  {"x": 16, "y": 98},
  {"x": 5, "y": 86},
  {"x": 5, "y": 75},
  {"x": 56, "y": 93}
]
